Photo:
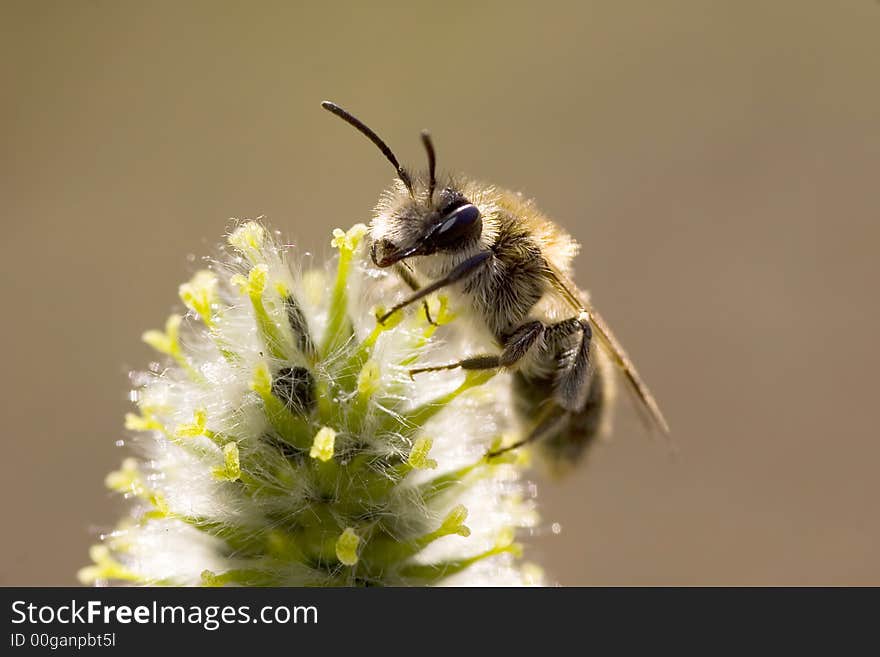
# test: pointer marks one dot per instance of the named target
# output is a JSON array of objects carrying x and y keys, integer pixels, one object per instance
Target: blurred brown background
[{"x": 718, "y": 160}]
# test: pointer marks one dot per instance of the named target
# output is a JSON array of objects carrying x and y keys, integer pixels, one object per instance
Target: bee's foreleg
[
  {"x": 463, "y": 270},
  {"x": 515, "y": 348},
  {"x": 407, "y": 277}
]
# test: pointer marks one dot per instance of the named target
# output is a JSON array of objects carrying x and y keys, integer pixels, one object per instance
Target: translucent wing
[{"x": 612, "y": 347}]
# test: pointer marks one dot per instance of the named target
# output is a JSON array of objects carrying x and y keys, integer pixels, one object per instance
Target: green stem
[{"x": 338, "y": 325}]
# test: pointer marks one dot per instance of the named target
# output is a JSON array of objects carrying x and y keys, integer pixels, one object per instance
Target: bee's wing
[{"x": 612, "y": 347}]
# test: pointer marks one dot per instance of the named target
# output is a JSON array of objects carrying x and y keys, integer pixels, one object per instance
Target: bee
[{"x": 511, "y": 266}]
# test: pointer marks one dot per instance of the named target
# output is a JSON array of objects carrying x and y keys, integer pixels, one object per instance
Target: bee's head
[
  {"x": 415, "y": 218},
  {"x": 423, "y": 224}
]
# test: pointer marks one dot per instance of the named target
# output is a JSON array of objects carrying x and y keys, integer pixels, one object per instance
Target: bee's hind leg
[
  {"x": 550, "y": 420},
  {"x": 572, "y": 389},
  {"x": 573, "y": 381},
  {"x": 515, "y": 348}
]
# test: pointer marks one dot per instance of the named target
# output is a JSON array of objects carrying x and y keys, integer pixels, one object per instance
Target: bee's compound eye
[{"x": 462, "y": 222}]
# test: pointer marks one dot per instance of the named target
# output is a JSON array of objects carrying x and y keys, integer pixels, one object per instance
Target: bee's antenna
[
  {"x": 432, "y": 163},
  {"x": 373, "y": 137}
]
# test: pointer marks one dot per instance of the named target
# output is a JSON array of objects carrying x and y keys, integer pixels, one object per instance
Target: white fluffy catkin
[{"x": 283, "y": 443}]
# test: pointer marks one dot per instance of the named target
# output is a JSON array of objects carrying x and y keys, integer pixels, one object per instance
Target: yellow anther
[
  {"x": 418, "y": 456},
  {"x": 262, "y": 382},
  {"x": 257, "y": 280},
  {"x": 195, "y": 428},
  {"x": 368, "y": 379},
  {"x": 249, "y": 239},
  {"x": 453, "y": 523},
  {"x": 167, "y": 342},
  {"x": 125, "y": 480},
  {"x": 350, "y": 240},
  {"x": 323, "y": 445},
  {"x": 232, "y": 466},
  {"x": 145, "y": 422},
  {"x": 200, "y": 293},
  {"x": 346, "y": 547}
]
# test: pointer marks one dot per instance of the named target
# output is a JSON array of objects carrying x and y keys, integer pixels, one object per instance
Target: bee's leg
[
  {"x": 573, "y": 381},
  {"x": 520, "y": 341},
  {"x": 407, "y": 277},
  {"x": 551, "y": 418},
  {"x": 487, "y": 362},
  {"x": 561, "y": 330},
  {"x": 463, "y": 270},
  {"x": 516, "y": 346},
  {"x": 428, "y": 313},
  {"x": 571, "y": 387},
  {"x": 570, "y": 445}
]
